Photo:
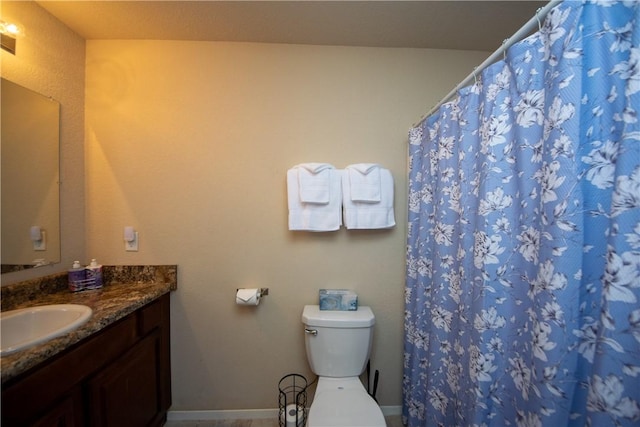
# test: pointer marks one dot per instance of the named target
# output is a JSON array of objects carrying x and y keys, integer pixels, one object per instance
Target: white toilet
[{"x": 338, "y": 345}]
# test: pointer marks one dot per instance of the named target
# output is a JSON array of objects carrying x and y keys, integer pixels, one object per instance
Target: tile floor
[{"x": 392, "y": 421}]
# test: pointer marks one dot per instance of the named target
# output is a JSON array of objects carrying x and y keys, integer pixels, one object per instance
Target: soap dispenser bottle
[
  {"x": 94, "y": 275},
  {"x": 77, "y": 276}
]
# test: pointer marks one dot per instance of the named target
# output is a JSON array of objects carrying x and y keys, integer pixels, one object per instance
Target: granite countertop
[{"x": 127, "y": 289}]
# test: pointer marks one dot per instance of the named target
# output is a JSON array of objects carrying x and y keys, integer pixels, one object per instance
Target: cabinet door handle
[{"x": 311, "y": 331}]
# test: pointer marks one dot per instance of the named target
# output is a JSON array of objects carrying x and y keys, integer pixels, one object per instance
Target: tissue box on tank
[{"x": 338, "y": 299}]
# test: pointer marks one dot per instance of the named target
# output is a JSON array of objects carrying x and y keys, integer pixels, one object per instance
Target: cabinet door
[
  {"x": 67, "y": 413},
  {"x": 127, "y": 392}
]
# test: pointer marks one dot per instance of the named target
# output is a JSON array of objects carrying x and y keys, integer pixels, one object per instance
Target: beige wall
[
  {"x": 50, "y": 60},
  {"x": 189, "y": 142}
]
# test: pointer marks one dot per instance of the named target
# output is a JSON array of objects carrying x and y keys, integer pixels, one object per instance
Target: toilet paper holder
[{"x": 261, "y": 293}]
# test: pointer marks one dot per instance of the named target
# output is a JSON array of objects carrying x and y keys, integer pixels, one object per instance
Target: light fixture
[{"x": 8, "y": 33}]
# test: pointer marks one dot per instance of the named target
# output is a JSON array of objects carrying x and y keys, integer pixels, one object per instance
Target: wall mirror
[{"x": 30, "y": 183}]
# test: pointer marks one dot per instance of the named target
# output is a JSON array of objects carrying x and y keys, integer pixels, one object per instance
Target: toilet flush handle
[{"x": 310, "y": 331}]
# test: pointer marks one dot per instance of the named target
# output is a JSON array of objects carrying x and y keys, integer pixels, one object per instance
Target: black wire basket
[{"x": 292, "y": 401}]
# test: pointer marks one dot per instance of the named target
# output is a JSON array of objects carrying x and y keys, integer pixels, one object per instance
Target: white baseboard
[
  {"x": 240, "y": 414},
  {"x": 244, "y": 414}
]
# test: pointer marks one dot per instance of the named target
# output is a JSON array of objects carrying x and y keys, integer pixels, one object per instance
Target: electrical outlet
[{"x": 132, "y": 246}]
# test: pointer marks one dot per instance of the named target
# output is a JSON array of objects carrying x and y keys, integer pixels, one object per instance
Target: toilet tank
[{"x": 338, "y": 343}]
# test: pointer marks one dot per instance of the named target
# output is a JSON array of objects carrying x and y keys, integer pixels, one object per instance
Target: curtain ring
[
  {"x": 504, "y": 49},
  {"x": 475, "y": 77},
  {"x": 538, "y": 18}
]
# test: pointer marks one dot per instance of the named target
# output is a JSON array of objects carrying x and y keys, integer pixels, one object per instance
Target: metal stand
[{"x": 292, "y": 401}]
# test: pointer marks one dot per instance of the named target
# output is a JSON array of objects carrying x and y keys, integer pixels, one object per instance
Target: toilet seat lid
[{"x": 345, "y": 407}]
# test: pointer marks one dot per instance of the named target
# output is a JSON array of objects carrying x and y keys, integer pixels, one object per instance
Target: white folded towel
[
  {"x": 369, "y": 215},
  {"x": 313, "y": 182},
  {"x": 314, "y": 216},
  {"x": 364, "y": 179}
]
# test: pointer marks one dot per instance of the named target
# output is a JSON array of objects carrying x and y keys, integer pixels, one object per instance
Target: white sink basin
[{"x": 26, "y": 327}]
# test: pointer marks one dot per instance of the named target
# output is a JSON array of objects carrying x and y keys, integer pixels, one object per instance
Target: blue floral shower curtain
[{"x": 523, "y": 249}]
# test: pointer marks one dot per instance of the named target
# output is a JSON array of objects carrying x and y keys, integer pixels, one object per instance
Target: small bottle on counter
[
  {"x": 77, "y": 276},
  {"x": 94, "y": 275}
]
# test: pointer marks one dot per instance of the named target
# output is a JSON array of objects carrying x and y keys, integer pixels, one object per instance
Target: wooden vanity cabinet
[{"x": 118, "y": 377}]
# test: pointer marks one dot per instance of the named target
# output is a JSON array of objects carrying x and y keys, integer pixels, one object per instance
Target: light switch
[
  {"x": 130, "y": 239},
  {"x": 38, "y": 238}
]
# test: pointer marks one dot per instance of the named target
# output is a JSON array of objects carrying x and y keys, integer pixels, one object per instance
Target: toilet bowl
[
  {"x": 338, "y": 345},
  {"x": 342, "y": 402}
]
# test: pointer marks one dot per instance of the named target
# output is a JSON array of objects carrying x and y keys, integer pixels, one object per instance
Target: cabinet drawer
[{"x": 149, "y": 318}]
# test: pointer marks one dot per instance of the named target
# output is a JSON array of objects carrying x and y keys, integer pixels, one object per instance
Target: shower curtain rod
[{"x": 519, "y": 35}]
